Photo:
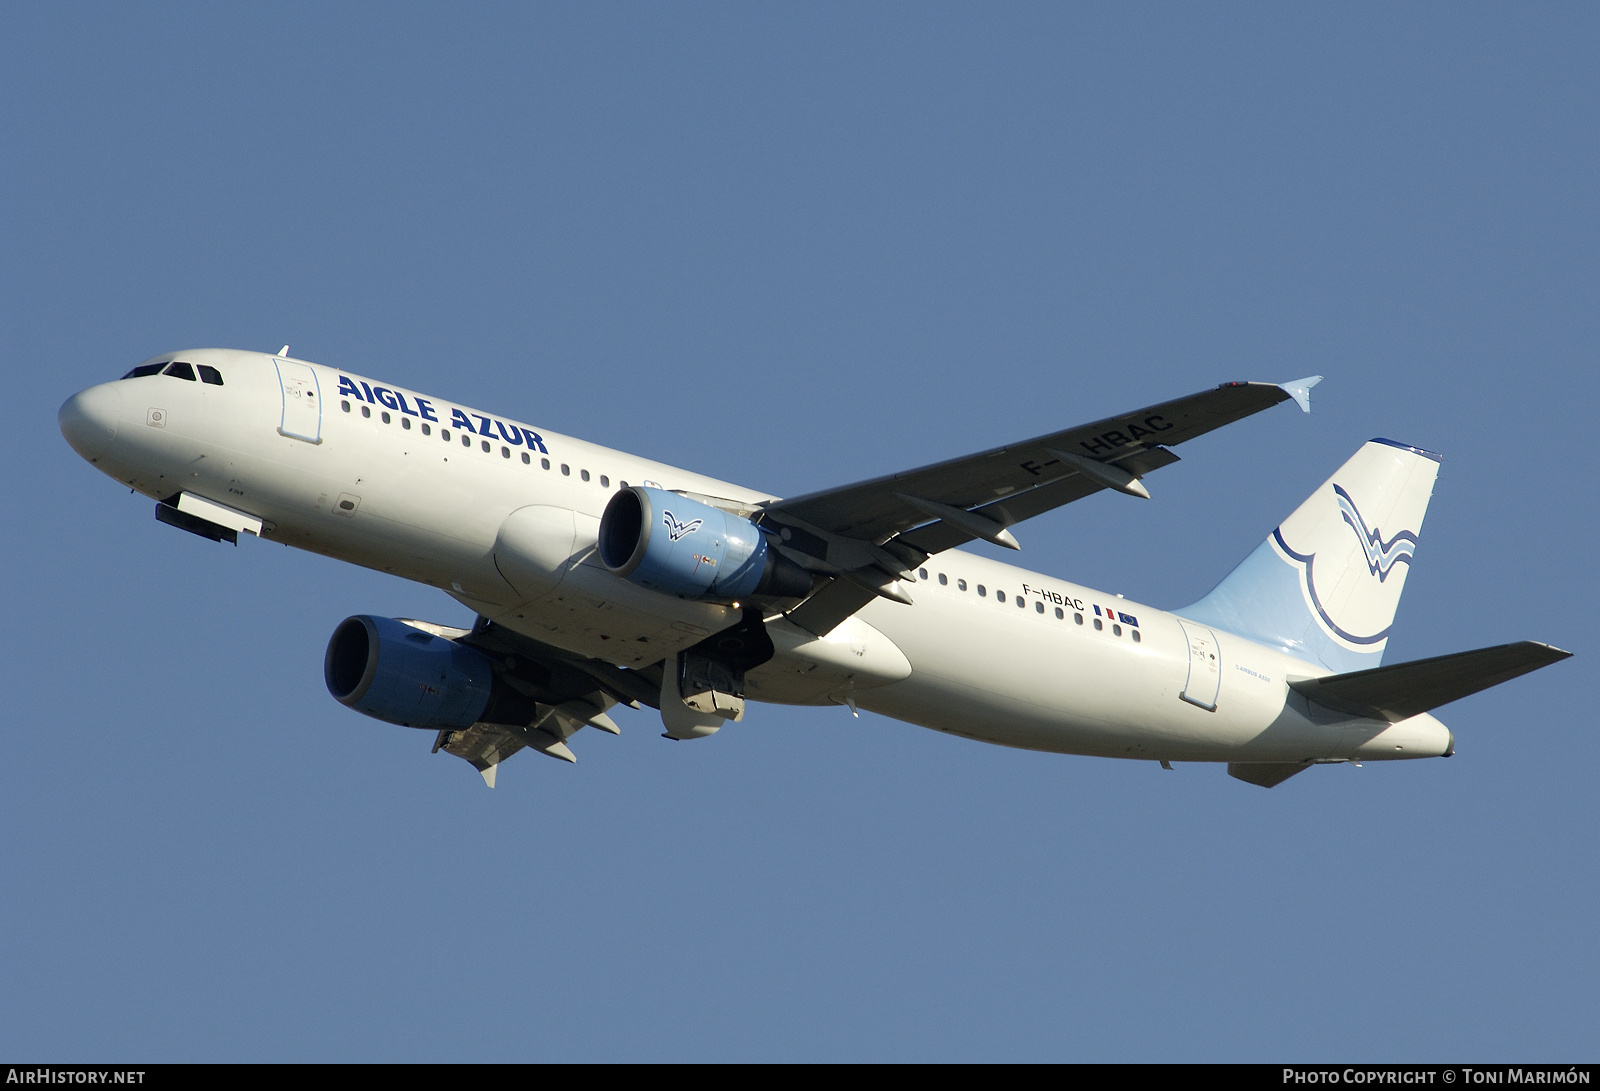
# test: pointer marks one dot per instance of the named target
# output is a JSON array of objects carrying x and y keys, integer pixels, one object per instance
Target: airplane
[{"x": 599, "y": 578}]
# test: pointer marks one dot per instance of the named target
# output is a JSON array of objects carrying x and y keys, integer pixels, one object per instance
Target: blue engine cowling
[
  {"x": 405, "y": 676},
  {"x": 678, "y": 546}
]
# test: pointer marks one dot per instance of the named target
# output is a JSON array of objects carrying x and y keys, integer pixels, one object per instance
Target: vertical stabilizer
[{"x": 1325, "y": 585}]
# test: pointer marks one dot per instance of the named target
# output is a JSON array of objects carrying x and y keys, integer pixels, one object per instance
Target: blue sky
[{"x": 792, "y": 247}]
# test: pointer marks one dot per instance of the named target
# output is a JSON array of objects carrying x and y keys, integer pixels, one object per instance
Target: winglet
[
  {"x": 1300, "y": 390},
  {"x": 487, "y": 772}
]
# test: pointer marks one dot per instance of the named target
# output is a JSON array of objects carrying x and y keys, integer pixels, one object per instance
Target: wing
[{"x": 869, "y": 535}]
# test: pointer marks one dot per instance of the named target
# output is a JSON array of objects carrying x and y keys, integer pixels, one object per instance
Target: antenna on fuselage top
[{"x": 284, "y": 351}]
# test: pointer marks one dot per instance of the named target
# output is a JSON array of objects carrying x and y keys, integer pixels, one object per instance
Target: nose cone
[{"x": 89, "y": 419}]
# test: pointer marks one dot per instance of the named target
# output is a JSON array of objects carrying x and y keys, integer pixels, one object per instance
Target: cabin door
[
  {"x": 302, "y": 405},
  {"x": 1205, "y": 666}
]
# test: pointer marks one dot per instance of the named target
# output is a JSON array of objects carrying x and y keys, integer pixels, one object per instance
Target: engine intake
[
  {"x": 394, "y": 672},
  {"x": 669, "y": 543}
]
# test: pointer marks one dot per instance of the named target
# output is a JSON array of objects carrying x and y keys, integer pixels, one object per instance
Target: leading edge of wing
[{"x": 872, "y": 510}]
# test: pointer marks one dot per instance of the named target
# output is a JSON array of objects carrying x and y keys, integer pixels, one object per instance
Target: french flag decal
[{"x": 1112, "y": 615}]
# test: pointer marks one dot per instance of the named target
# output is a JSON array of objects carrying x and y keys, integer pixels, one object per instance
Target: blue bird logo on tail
[{"x": 1381, "y": 556}]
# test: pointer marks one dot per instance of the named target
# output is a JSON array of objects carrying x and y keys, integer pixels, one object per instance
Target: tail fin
[{"x": 1325, "y": 585}]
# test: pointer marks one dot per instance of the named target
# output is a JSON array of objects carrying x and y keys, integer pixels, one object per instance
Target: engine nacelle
[
  {"x": 669, "y": 543},
  {"x": 405, "y": 676}
]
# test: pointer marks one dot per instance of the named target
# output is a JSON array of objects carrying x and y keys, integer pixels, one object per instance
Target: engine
[
  {"x": 669, "y": 543},
  {"x": 390, "y": 670}
]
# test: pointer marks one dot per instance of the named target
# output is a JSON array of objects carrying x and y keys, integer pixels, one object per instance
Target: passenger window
[
  {"x": 623, "y": 484},
  {"x": 466, "y": 441},
  {"x": 999, "y": 596},
  {"x": 982, "y": 590},
  {"x": 1116, "y": 630},
  {"x": 1061, "y": 615},
  {"x": 525, "y": 459},
  {"x": 144, "y": 369},
  {"x": 485, "y": 444},
  {"x": 444, "y": 434},
  {"x": 180, "y": 370},
  {"x": 1038, "y": 607},
  {"x": 584, "y": 474},
  {"x": 405, "y": 422},
  {"x": 923, "y": 572},
  {"x": 505, "y": 452},
  {"x": 961, "y": 585},
  {"x": 605, "y": 482},
  {"x": 1077, "y": 619},
  {"x": 385, "y": 417},
  {"x": 944, "y": 581},
  {"x": 1097, "y": 624},
  {"x": 426, "y": 430},
  {"x": 366, "y": 410},
  {"x": 1022, "y": 603},
  {"x": 1136, "y": 636},
  {"x": 566, "y": 471},
  {"x": 345, "y": 405},
  {"x": 545, "y": 463},
  {"x": 209, "y": 374}
]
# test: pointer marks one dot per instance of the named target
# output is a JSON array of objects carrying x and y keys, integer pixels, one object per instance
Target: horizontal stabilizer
[
  {"x": 1403, "y": 690},
  {"x": 1265, "y": 773}
]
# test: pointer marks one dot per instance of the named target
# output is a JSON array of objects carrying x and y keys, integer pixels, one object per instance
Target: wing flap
[
  {"x": 483, "y": 746},
  {"x": 1403, "y": 690},
  {"x": 824, "y": 611}
]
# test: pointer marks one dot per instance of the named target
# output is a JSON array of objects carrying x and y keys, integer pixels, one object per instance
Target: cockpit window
[
  {"x": 180, "y": 370},
  {"x": 144, "y": 369},
  {"x": 209, "y": 374}
]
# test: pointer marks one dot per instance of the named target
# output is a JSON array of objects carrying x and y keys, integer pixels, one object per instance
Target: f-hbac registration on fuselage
[{"x": 600, "y": 578}]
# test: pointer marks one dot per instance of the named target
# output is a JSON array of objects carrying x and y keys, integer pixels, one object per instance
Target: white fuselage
[{"x": 1020, "y": 662}]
